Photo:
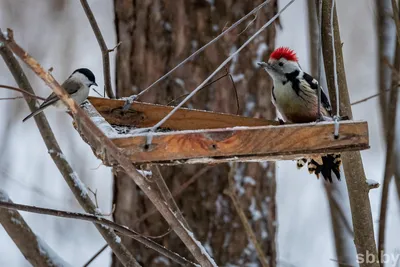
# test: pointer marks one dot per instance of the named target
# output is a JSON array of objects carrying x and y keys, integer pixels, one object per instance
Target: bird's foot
[{"x": 281, "y": 122}]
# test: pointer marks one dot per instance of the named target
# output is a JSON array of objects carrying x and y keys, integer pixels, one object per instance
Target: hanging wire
[
  {"x": 336, "y": 117},
  {"x": 319, "y": 58}
]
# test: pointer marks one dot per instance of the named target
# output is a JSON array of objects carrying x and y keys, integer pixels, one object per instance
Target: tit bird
[
  {"x": 77, "y": 86},
  {"x": 295, "y": 95}
]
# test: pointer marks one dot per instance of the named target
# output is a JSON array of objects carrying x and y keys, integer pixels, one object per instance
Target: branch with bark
[
  {"x": 103, "y": 47},
  {"x": 102, "y": 222},
  {"x": 97, "y": 139},
  {"x": 352, "y": 162},
  {"x": 75, "y": 184},
  {"x": 390, "y": 139},
  {"x": 35, "y": 250}
]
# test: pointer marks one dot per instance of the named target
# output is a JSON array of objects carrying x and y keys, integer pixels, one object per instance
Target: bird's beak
[
  {"x": 94, "y": 84},
  {"x": 264, "y": 65}
]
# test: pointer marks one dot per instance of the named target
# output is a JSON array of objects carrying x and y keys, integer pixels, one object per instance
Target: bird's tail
[
  {"x": 326, "y": 165},
  {"x": 33, "y": 114}
]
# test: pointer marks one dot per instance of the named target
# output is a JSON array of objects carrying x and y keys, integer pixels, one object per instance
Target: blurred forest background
[{"x": 58, "y": 35}]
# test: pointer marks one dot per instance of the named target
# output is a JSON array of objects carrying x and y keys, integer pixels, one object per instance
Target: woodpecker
[{"x": 295, "y": 96}]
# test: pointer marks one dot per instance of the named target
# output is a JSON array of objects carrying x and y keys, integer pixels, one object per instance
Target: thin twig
[
  {"x": 73, "y": 181},
  {"x": 115, "y": 47},
  {"x": 204, "y": 47},
  {"x": 208, "y": 84},
  {"x": 248, "y": 25},
  {"x": 390, "y": 142},
  {"x": 95, "y": 256},
  {"x": 22, "y": 91},
  {"x": 105, "y": 223},
  {"x": 100, "y": 142},
  {"x": 396, "y": 19},
  {"x": 236, "y": 94},
  {"x": 103, "y": 47},
  {"x": 395, "y": 86},
  {"x": 11, "y": 98},
  {"x": 370, "y": 97},
  {"x": 230, "y": 191},
  {"x": 161, "y": 122},
  {"x": 177, "y": 193},
  {"x": 34, "y": 250},
  {"x": 166, "y": 194}
]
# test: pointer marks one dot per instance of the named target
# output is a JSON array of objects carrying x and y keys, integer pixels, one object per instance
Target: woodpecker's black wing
[{"x": 314, "y": 85}]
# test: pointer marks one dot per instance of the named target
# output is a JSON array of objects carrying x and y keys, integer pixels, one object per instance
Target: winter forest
[{"x": 179, "y": 157}]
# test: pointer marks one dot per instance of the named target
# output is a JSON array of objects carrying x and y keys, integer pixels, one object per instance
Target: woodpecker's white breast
[{"x": 295, "y": 106}]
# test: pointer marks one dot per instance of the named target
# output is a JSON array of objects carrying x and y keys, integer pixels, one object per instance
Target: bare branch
[
  {"x": 22, "y": 91},
  {"x": 59, "y": 159},
  {"x": 103, "y": 47},
  {"x": 103, "y": 223},
  {"x": 95, "y": 255},
  {"x": 11, "y": 98},
  {"x": 352, "y": 162},
  {"x": 166, "y": 194},
  {"x": 34, "y": 250},
  {"x": 390, "y": 141},
  {"x": 97, "y": 139},
  {"x": 230, "y": 191},
  {"x": 396, "y": 19},
  {"x": 177, "y": 193}
]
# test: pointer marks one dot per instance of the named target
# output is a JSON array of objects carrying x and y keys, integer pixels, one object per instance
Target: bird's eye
[{"x": 281, "y": 64}]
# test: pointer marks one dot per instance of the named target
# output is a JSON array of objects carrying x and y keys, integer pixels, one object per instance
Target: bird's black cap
[{"x": 88, "y": 73}]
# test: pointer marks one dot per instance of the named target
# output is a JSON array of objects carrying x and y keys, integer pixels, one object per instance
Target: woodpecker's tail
[
  {"x": 325, "y": 165},
  {"x": 301, "y": 163}
]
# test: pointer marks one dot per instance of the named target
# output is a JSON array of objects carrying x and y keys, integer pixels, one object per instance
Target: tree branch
[
  {"x": 230, "y": 191},
  {"x": 390, "y": 141},
  {"x": 34, "y": 250},
  {"x": 100, "y": 141},
  {"x": 74, "y": 183},
  {"x": 22, "y": 91},
  {"x": 102, "y": 222},
  {"x": 103, "y": 47},
  {"x": 352, "y": 162}
]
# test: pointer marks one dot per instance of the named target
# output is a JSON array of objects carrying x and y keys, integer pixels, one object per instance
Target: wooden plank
[
  {"x": 270, "y": 142},
  {"x": 142, "y": 115}
]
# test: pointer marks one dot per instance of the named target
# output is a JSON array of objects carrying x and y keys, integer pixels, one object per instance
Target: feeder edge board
[
  {"x": 267, "y": 142},
  {"x": 143, "y": 115}
]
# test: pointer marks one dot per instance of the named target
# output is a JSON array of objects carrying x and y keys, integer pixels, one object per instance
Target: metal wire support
[
  {"x": 336, "y": 118},
  {"x": 319, "y": 59}
]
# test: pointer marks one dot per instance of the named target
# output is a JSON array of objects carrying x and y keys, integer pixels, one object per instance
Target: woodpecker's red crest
[{"x": 284, "y": 52}]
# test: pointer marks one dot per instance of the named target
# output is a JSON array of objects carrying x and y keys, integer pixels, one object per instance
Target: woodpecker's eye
[{"x": 280, "y": 64}]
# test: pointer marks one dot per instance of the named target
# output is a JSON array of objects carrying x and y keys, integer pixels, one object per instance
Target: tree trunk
[{"x": 155, "y": 36}]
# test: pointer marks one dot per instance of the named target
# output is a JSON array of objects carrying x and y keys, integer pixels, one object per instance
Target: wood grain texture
[
  {"x": 145, "y": 115},
  {"x": 273, "y": 142}
]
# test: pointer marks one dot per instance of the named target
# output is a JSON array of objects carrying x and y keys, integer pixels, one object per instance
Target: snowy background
[{"x": 64, "y": 40}]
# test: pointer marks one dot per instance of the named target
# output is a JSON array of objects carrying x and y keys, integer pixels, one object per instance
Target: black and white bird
[
  {"x": 295, "y": 95},
  {"x": 77, "y": 86}
]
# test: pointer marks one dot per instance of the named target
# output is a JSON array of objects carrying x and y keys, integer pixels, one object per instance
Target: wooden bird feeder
[{"x": 195, "y": 136}]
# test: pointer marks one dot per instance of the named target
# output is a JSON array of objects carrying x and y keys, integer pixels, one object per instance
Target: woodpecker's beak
[
  {"x": 263, "y": 64},
  {"x": 94, "y": 84}
]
